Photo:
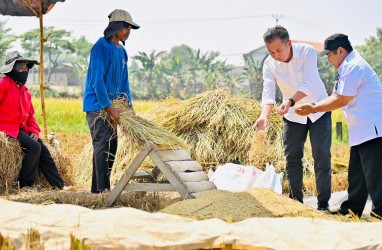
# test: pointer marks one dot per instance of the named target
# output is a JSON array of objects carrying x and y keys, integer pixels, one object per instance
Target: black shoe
[
  {"x": 340, "y": 212},
  {"x": 346, "y": 212},
  {"x": 323, "y": 206},
  {"x": 374, "y": 215}
]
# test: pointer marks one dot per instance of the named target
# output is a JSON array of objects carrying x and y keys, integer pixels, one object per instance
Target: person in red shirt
[{"x": 17, "y": 120}]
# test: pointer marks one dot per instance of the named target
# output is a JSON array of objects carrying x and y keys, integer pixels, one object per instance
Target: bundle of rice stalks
[
  {"x": 133, "y": 133},
  {"x": 139, "y": 130},
  {"x": 84, "y": 166},
  {"x": 215, "y": 123},
  {"x": 10, "y": 159}
]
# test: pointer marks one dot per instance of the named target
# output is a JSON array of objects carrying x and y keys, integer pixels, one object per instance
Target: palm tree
[{"x": 147, "y": 74}]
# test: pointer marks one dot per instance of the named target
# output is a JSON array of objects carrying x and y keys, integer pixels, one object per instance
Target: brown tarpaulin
[{"x": 19, "y": 8}]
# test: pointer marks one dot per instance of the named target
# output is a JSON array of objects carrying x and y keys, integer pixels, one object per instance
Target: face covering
[{"x": 18, "y": 77}]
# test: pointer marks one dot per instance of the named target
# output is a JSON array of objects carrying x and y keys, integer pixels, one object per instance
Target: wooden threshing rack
[{"x": 184, "y": 175}]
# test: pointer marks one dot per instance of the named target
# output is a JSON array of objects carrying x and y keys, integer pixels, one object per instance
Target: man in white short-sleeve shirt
[
  {"x": 293, "y": 67},
  {"x": 358, "y": 92}
]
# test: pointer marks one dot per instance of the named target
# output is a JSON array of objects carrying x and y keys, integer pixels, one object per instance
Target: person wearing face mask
[
  {"x": 17, "y": 120},
  {"x": 293, "y": 67},
  {"x": 107, "y": 80}
]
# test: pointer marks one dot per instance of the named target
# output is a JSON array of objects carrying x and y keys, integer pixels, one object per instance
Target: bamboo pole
[{"x": 42, "y": 87}]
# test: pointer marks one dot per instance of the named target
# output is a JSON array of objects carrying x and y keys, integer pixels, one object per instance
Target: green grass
[
  {"x": 66, "y": 115},
  {"x": 338, "y": 117}
]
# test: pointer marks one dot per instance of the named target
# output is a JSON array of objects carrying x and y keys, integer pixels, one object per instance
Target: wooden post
[
  {"x": 42, "y": 87},
  {"x": 339, "y": 130}
]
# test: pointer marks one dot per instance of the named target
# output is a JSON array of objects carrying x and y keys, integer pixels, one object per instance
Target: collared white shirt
[
  {"x": 299, "y": 74},
  {"x": 363, "y": 114}
]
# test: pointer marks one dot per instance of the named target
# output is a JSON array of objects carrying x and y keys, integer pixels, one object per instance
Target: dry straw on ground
[
  {"x": 151, "y": 202},
  {"x": 11, "y": 157}
]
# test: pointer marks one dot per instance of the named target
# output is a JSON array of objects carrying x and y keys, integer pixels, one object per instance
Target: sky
[{"x": 231, "y": 27}]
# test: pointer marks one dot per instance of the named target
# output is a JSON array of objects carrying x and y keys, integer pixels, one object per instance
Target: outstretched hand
[
  {"x": 304, "y": 109},
  {"x": 283, "y": 108},
  {"x": 261, "y": 123}
]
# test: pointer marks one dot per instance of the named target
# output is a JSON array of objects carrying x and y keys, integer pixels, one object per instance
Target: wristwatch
[{"x": 292, "y": 102}]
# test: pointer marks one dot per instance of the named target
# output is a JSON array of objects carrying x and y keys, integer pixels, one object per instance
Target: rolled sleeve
[
  {"x": 269, "y": 86},
  {"x": 309, "y": 73}
]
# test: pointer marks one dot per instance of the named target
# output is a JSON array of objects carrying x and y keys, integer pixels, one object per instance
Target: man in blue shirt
[{"x": 107, "y": 79}]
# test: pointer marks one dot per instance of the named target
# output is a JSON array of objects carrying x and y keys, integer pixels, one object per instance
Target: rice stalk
[{"x": 11, "y": 157}]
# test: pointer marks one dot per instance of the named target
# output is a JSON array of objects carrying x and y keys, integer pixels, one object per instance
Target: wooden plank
[
  {"x": 143, "y": 175},
  {"x": 199, "y": 186},
  {"x": 193, "y": 176},
  {"x": 183, "y": 166},
  {"x": 171, "y": 177},
  {"x": 149, "y": 187},
  {"x": 174, "y": 155},
  {"x": 127, "y": 176}
]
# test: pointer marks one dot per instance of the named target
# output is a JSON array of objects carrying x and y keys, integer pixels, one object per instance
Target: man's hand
[
  {"x": 114, "y": 113},
  {"x": 304, "y": 109},
  {"x": 284, "y": 107},
  {"x": 261, "y": 123},
  {"x": 34, "y": 136}
]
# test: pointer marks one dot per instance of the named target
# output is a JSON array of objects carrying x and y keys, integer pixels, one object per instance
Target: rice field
[{"x": 66, "y": 115}]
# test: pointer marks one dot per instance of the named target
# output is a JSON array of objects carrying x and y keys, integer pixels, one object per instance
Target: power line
[{"x": 166, "y": 20}]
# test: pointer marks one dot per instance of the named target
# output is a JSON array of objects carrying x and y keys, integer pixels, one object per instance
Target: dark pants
[
  {"x": 365, "y": 177},
  {"x": 105, "y": 143},
  {"x": 37, "y": 156},
  {"x": 294, "y": 138}
]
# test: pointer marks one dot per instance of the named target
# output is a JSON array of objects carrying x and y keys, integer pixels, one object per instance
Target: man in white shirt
[
  {"x": 358, "y": 93},
  {"x": 293, "y": 67}
]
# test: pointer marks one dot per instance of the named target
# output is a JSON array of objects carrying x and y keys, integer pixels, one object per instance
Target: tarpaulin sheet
[{"x": 128, "y": 228}]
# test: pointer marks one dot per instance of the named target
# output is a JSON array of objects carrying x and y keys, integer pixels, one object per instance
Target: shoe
[
  {"x": 340, "y": 212},
  {"x": 323, "y": 206},
  {"x": 346, "y": 212},
  {"x": 376, "y": 216}
]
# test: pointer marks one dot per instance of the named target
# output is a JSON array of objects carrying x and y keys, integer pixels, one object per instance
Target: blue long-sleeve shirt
[{"x": 107, "y": 77}]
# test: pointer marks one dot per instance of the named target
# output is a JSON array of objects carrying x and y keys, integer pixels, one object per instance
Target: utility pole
[{"x": 277, "y": 18}]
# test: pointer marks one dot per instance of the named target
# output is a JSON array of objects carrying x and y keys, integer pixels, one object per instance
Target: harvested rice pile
[
  {"x": 216, "y": 124},
  {"x": 10, "y": 159},
  {"x": 237, "y": 206}
]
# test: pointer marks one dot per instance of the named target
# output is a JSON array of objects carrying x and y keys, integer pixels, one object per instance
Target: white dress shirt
[
  {"x": 299, "y": 74},
  {"x": 363, "y": 114}
]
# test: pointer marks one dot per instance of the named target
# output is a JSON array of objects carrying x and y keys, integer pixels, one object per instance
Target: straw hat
[{"x": 11, "y": 58}]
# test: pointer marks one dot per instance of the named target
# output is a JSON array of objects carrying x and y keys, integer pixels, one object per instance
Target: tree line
[{"x": 181, "y": 72}]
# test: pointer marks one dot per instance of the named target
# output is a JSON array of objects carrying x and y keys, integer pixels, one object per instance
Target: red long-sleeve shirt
[{"x": 16, "y": 109}]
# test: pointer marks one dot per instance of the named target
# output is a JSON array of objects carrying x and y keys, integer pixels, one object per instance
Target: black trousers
[
  {"x": 105, "y": 143},
  {"x": 365, "y": 177},
  {"x": 294, "y": 138},
  {"x": 37, "y": 156}
]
